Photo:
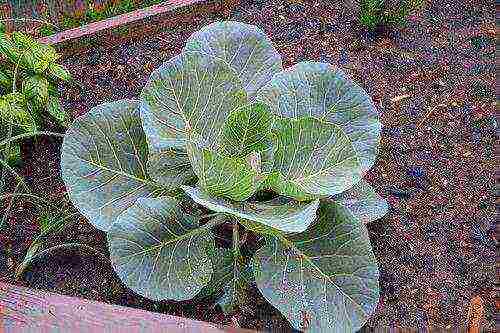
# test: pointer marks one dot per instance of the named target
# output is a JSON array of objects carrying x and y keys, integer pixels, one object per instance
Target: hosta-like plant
[{"x": 276, "y": 152}]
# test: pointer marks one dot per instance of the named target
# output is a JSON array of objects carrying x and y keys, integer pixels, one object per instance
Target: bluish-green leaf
[
  {"x": 280, "y": 214},
  {"x": 188, "y": 98},
  {"x": 325, "y": 92},
  {"x": 328, "y": 274},
  {"x": 363, "y": 202},
  {"x": 231, "y": 278},
  {"x": 313, "y": 157},
  {"x": 170, "y": 167},
  {"x": 244, "y": 47},
  {"x": 103, "y": 162},
  {"x": 159, "y": 252}
]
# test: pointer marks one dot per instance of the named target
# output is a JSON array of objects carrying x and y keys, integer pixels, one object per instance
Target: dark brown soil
[{"x": 434, "y": 84}]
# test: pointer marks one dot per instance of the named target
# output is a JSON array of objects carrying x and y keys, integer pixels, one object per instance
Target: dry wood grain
[
  {"x": 23, "y": 309},
  {"x": 116, "y": 21}
]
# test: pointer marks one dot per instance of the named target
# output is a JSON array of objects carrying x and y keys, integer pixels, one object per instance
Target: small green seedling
[
  {"x": 28, "y": 94},
  {"x": 225, "y": 123},
  {"x": 375, "y": 13}
]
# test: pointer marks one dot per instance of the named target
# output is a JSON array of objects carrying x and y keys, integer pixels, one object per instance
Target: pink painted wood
[
  {"x": 116, "y": 21},
  {"x": 23, "y": 309}
]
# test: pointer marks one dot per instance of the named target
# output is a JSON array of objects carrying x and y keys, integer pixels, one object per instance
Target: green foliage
[
  {"x": 47, "y": 30},
  {"x": 375, "y": 13},
  {"x": 226, "y": 111},
  {"x": 27, "y": 73}
]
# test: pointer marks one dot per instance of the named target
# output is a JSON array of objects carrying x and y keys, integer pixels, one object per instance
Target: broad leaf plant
[
  {"x": 279, "y": 153},
  {"x": 28, "y": 88}
]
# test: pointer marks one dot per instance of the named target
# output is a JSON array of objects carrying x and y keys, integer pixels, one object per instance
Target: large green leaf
[
  {"x": 363, "y": 202},
  {"x": 325, "y": 92},
  {"x": 103, "y": 162},
  {"x": 188, "y": 97},
  {"x": 313, "y": 157},
  {"x": 280, "y": 214},
  {"x": 244, "y": 47},
  {"x": 159, "y": 252},
  {"x": 327, "y": 274},
  {"x": 170, "y": 167},
  {"x": 36, "y": 89},
  {"x": 13, "y": 110},
  {"x": 231, "y": 277}
]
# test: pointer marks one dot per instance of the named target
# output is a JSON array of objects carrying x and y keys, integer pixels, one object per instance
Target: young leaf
[
  {"x": 103, "y": 162},
  {"x": 325, "y": 92},
  {"x": 5, "y": 79},
  {"x": 13, "y": 110},
  {"x": 8, "y": 48},
  {"x": 244, "y": 47},
  {"x": 228, "y": 177},
  {"x": 363, "y": 202},
  {"x": 314, "y": 157},
  {"x": 328, "y": 273},
  {"x": 159, "y": 252},
  {"x": 35, "y": 88},
  {"x": 280, "y": 214},
  {"x": 59, "y": 72},
  {"x": 55, "y": 110},
  {"x": 33, "y": 55},
  {"x": 247, "y": 130}
]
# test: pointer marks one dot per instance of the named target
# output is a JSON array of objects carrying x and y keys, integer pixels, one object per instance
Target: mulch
[{"x": 433, "y": 82}]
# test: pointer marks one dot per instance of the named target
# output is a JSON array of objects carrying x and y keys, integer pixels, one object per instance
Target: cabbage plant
[{"x": 280, "y": 153}]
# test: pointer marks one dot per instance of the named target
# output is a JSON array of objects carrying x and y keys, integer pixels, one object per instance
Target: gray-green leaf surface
[
  {"x": 280, "y": 214},
  {"x": 363, "y": 202},
  {"x": 103, "y": 162},
  {"x": 327, "y": 274},
  {"x": 188, "y": 98},
  {"x": 159, "y": 252},
  {"x": 325, "y": 92},
  {"x": 245, "y": 48}
]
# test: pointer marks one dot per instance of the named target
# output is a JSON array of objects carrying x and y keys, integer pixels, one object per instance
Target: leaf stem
[
  {"x": 236, "y": 240},
  {"x": 28, "y": 135},
  {"x": 20, "y": 270}
]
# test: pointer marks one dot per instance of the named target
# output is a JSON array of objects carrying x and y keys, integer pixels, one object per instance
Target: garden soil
[{"x": 433, "y": 82}]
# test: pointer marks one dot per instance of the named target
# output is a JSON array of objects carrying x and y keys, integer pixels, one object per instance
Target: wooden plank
[
  {"x": 116, "y": 21},
  {"x": 41, "y": 311}
]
